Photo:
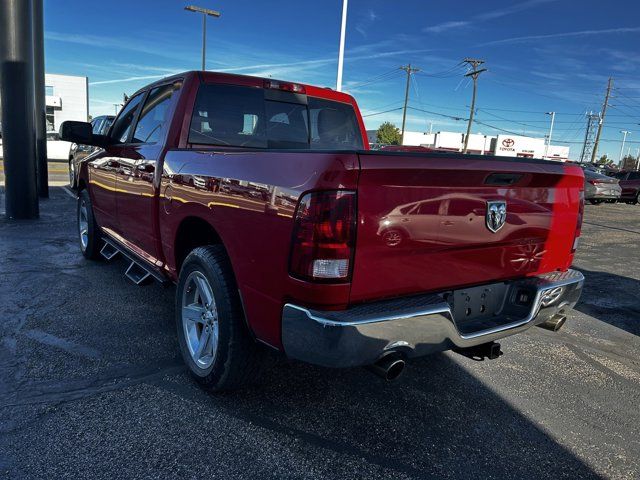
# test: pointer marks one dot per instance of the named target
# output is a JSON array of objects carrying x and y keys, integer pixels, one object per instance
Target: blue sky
[{"x": 541, "y": 55}]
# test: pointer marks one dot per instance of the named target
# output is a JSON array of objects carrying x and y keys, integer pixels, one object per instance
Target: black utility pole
[
  {"x": 18, "y": 129},
  {"x": 409, "y": 70},
  {"x": 40, "y": 105},
  {"x": 604, "y": 111},
  {"x": 474, "y": 73}
]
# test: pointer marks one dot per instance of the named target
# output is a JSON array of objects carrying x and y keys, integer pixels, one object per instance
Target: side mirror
[{"x": 81, "y": 133}]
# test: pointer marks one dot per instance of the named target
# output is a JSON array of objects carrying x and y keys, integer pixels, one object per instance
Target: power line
[{"x": 380, "y": 113}]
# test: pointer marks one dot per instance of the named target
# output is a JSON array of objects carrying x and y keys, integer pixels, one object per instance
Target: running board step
[
  {"x": 136, "y": 273},
  {"x": 109, "y": 251}
]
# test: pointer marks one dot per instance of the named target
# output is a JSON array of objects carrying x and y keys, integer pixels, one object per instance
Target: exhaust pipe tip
[
  {"x": 555, "y": 323},
  {"x": 388, "y": 367}
]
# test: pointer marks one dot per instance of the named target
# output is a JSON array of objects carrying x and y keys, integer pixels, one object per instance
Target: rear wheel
[
  {"x": 214, "y": 340},
  {"x": 88, "y": 230},
  {"x": 595, "y": 202}
]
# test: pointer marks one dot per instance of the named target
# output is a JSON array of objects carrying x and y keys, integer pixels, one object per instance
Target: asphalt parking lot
[{"x": 91, "y": 384}]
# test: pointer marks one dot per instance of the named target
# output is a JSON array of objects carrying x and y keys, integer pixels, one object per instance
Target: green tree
[
  {"x": 388, "y": 134},
  {"x": 604, "y": 160}
]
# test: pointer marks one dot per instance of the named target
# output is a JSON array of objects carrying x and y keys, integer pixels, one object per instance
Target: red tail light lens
[
  {"x": 324, "y": 236},
  {"x": 579, "y": 224}
]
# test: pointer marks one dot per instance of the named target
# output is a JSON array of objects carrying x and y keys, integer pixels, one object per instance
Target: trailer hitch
[{"x": 489, "y": 351}]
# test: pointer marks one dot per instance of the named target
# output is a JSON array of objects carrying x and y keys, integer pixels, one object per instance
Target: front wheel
[
  {"x": 88, "y": 230},
  {"x": 214, "y": 339}
]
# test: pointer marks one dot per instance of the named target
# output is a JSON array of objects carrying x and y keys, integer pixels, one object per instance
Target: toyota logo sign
[{"x": 508, "y": 142}]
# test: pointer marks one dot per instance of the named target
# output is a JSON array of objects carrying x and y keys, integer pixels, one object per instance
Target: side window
[
  {"x": 153, "y": 117},
  {"x": 96, "y": 125},
  {"x": 105, "y": 125},
  {"x": 430, "y": 207},
  {"x": 122, "y": 124},
  {"x": 634, "y": 176}
]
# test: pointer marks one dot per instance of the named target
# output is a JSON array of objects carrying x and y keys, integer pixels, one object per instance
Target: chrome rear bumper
[{"x": 422, "y": 324}]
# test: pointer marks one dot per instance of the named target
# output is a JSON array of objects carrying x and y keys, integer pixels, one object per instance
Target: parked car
[
  {"x": 99, "y": 126},
  {"x": 630, "y": 184},
  {"x": 57, "y": 149},
  {"x": 600, "y": 188},
  {"x": 313, "y": 278}
]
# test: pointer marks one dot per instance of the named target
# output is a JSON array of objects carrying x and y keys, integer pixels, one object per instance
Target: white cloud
[
  {"x": 581, "y": 33},
  {"x": 483, "y": 17}
]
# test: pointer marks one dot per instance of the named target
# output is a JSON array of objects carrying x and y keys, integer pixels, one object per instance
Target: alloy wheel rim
[
  {"x": 83, "y": 224},
  {"x": 200, "y": 320}
]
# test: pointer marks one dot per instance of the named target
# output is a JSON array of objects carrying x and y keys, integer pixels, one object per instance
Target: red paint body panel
[
  {"x": 421, "y": 222},
  {"x": 142, "y": 194}
]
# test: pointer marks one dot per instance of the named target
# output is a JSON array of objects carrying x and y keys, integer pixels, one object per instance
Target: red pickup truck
[{"x": 261, "y": 201}]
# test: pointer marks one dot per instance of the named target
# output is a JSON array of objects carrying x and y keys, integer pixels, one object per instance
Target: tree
[
  {"x": 388, "y": 134},
  {"x": 605, "y": 160},
  {"x": 629, "y": 162}
]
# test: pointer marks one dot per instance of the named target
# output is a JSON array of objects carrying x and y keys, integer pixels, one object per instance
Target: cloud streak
[
  {"x": 581, "y": 33},
  {"x": 483, "y": 17}
]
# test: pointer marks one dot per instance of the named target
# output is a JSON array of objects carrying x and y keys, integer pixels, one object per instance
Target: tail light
[
  {"x": 576, "y": 238},
  {"x": 324, "y": 236},
  {"x": 285, "y": 86}
]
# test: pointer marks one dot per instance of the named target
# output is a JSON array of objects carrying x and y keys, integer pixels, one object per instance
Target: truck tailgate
[{"x": 422, "y": 221}]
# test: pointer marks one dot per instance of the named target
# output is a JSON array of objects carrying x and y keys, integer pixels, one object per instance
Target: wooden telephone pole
[
  {"x": 604, "y": 111},
  {"x": 474, "y": 74},
  {"x": 409, "y": 70}
]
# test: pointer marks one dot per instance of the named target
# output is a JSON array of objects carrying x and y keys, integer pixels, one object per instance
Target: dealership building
[
  {"x": 500, "y": 145},
  {"x": 67, "y": 98}
]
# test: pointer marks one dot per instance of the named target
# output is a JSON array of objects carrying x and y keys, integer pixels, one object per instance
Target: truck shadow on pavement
[
  {"x": 92, "y": 384},
  {"x": 611, "y": 298},
  {"x": 437, "y": 420}
]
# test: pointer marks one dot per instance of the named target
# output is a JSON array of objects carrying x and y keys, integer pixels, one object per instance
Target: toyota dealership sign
[{"x": 517, "y": 146}]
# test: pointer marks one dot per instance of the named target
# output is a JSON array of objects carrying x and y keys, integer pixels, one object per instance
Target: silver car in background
[{"x": 599, "y": 188}]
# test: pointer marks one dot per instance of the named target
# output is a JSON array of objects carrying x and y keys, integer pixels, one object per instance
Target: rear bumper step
[{"x": 421, "y": 325}]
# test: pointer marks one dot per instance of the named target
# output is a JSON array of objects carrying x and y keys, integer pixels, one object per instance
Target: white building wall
[
  {"x": 70, "y": 99},
  {"x": 557, "y": 152},
  {"x": 418, "y": 139},
  {"x": 449, "y": 141}
]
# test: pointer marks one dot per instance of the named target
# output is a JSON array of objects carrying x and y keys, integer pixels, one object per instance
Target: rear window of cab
[{"x": 237, "y": 116}]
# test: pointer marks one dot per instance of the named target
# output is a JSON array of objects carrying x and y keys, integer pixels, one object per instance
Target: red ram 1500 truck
[{"x": 261, "y": 201}]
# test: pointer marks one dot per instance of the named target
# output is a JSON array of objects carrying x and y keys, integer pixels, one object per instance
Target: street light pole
[
  {"x": 624, "y": 139},
  {"x": 205, "y": 13},
  {"x": 343, "y": 31},
  {"x": 553, "y": 118}
]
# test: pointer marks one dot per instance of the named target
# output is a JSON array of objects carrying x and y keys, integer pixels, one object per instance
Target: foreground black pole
[
  {"x": 40, "y": 106},
  {"x": 16, "y": 86}
]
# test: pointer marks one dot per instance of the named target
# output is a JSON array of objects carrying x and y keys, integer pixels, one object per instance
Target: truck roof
[{"x": 251, "y": 81}]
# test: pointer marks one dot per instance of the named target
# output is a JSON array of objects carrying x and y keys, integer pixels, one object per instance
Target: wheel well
[{"x": 193, "y": 232}]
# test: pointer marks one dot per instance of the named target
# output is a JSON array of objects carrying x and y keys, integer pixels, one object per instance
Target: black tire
[
  {"x": 238, "y": 360},
  {"x": 93, "y": 244},
  {"x": 595, "y": 202}
]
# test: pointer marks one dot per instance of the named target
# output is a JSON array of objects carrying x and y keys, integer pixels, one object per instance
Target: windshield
[{"x": 229, "y": 115}]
